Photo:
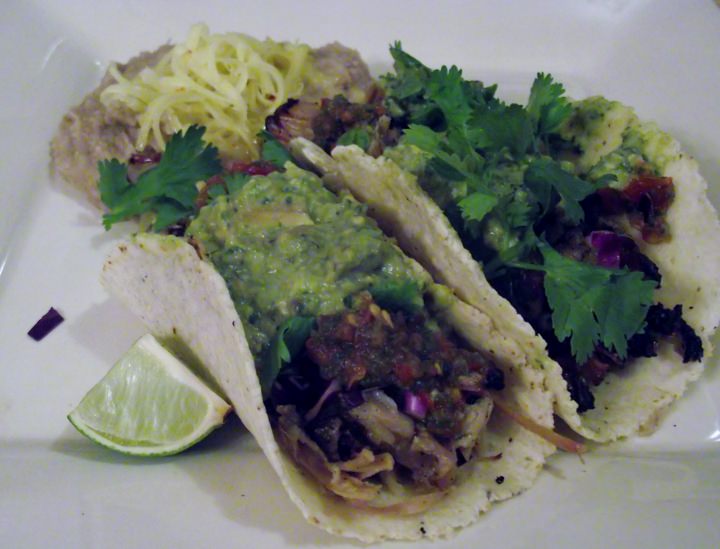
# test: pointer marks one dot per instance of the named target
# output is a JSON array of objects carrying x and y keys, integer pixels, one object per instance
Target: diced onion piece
[
  {"x": 415, "y": 405},
  {"x": 608, "y": 246}
]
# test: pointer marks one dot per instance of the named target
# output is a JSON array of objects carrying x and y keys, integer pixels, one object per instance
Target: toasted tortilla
[
  {"x": 181, "y": 297},
  {"x": 627, "y": 401}
]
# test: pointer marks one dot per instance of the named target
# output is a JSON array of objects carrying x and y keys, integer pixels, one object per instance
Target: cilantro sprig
[
  {"x": 552, "y": 186},
  {"x": 547, "y": 106},
  {"x": 591, "y": 304},
  {"x": 168, "y": 189},
  {"x": 496, "y": 160}
]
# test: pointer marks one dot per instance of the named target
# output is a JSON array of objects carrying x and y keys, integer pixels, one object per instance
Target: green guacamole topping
[
  {"x": 287, "y": 246},
  {"x": 613, "y": 141}
]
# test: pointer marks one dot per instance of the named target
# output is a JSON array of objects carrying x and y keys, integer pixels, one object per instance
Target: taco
[
  {"x": 581, "y": 231},
  {"x": 387, "y": 407}
]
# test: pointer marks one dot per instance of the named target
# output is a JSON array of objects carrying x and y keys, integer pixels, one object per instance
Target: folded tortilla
[
  {"x": 627, "y": 401},
  {"x": 180, "y": 297}
]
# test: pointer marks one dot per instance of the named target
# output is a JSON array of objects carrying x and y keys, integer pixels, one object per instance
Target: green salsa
[
  {"x": 287, "y": 246},
  {"x": 613, "y": 141}
]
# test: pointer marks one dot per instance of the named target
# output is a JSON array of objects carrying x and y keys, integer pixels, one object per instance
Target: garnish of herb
[
  {"x": 495, "y": 158},
  {"x": 168, "y": 190}
]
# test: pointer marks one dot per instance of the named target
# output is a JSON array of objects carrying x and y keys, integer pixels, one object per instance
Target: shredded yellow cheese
[{"x": 228, "y": 83}]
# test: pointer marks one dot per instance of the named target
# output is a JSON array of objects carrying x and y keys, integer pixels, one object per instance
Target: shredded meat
[
  {"x": 430, "y": 463},
  {"x": 326, "y": 121},
  {"x": 384, "y": 423},
  {"x": 309, "y": 455},
  {"x": 366, "y": 464},
  {"x": 388, "y": 398},
  {"x": 348, "y": 479},
  {"x": 664, "y": 322},
  {"x": 434, "y": 464}
]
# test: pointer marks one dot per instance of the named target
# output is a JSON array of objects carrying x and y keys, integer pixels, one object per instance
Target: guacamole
[
  {"x": 287, "y": 246},
  {"x": 612, "y": 141}
]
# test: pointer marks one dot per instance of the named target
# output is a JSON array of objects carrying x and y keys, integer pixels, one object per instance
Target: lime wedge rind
[{"x": 138, "y": 448}]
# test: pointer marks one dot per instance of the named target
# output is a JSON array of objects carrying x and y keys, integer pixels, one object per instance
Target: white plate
[{"x": 59, "y": 490}]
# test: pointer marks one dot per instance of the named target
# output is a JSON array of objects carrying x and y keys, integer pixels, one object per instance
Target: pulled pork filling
[{"x": 383, "y": 399}]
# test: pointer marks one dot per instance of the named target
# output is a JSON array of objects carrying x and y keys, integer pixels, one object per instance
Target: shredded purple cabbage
[{"x": 332, "y": 388}]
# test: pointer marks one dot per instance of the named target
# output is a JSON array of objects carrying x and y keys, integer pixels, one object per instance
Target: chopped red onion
[
  {"x": 46, "y": 324},
  {"x": 415, "y": 405},
  {"x": 259, "y": 167},
  {"x": 609, "y": 246},
  {"x": 332, "y": 388},
  {"x": 147, "y": 156}
]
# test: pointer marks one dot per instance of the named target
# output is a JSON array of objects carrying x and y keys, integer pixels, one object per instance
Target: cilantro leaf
[
  {"x": 273, "y": 151},
  {"x": 624, "y": 315},
  {"x": 592, "y": 305},
  {"x": 506, "y": 128},
  {"x": 168, "y": 212},
  {"x": 236, "y": 181},
  {"x": 547, "y": 105},
  {"x": 444, "y": 161},
  {"x": 113, "y": 181},
  {"x": 286, "y": 344},
  {"x": 424, "y": 138},
  {"x": 356, "y": 136},
  {"x": 168, "y": 189},
  {"x": 475, "y": 206},
  {"x": 450, "y": 166},
  {"x": 187, "y": 158},
  {"x": 405, "y": 88},
  {"x": 511, "y": 255},
  {"x": 403, "y": 61},
  {"x": 445, "y": 88},
  {"x": 548, "y": 181},
  {"x": 405, "y": 295}
]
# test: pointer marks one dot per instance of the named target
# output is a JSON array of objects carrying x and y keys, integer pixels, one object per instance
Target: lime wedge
[{"x": 149, "y": 404}]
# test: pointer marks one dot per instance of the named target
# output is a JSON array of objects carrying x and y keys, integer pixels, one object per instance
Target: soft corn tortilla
[
  {"x": 179, "y": 296},
  {"x": 627, "y": 401}
]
